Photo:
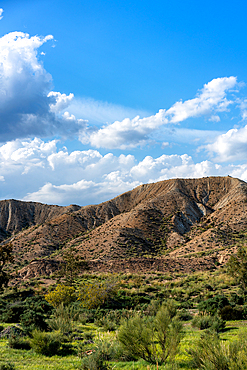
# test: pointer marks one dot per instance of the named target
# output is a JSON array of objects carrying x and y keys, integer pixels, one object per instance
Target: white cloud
[
  {"x": 214, "y": 118},
  {"x": 125, "y": 134},
  {"x": 26, "y": 106},
  {"x": 164, "y": 144},
  {"x": 62, "y": 101},
  {"x": 36, "y": 170},
  {"x": 130, "y": 133},
  {"x": 211, "y": 98},
  {"x": 171, "y": 166},
  {"x": 230, "y": 146},
  {"x": 82, "y": 192},
  {"x": 115, "y": 182},
  {"x": 1, "y": 12}
]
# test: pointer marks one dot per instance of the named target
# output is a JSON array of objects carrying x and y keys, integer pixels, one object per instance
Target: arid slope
[{"x": 180, "y": 220}]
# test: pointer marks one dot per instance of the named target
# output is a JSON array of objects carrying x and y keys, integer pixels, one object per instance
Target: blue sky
[{"x": 98, "y": 97}]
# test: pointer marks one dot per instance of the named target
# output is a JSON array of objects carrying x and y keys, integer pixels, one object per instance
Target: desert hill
[{"x": 173, "y": 224}]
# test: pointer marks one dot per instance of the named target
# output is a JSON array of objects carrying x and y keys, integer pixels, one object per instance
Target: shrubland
[{"x": 125, "y": 321}]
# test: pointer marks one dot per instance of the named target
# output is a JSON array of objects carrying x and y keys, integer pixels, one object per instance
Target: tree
[
  {"x": 71, "y": 266},
  {"x": 6, "y": 256},
  {"x": 237, "y": 267}
]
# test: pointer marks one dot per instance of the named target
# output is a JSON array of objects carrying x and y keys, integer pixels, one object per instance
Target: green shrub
[
  {"x": 31, "y": 320},
  {"x": 210, "y": 353},
  {"x": 236, "y": 299},
  {"x": 212, "y": 305},
  {"x": 110, "y": 319},
  {"x": 63, "y": 318},
  {"x": 230, "y": 313},
  {"x": 106, "y": 323},
  {"x": 209, "y": 322},
  {"x": 154, "y": 340},
  {"x": 29, "y": 309},
  {"x": 95, "y": 294},
  {"x": 47, "y": 344},
  {"x": 17, "y": 342},
  {"x": 94, "y": 362},
  {"x": 12, "y": 312},
  {"x": 97, "y": 358},
  {"x": 86, "y": 316}
]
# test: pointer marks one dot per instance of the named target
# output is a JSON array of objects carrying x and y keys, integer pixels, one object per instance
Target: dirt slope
[{"x": 181, "y": 219}]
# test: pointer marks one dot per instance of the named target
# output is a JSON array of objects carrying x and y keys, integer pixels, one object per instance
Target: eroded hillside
[{"x": 178, "y": 220}]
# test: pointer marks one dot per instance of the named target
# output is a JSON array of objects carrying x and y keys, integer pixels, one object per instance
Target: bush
[
  {"x": 47, "y": 344},
  {"x": 110, "y": 319},
  {"x": 210, "y": 353},
  {"x": 14, "y": 311},
  {"x": 17, "y": 342},
  {"x": 230, "y": 313},
  {"x": 106, "y": 323},
  {"x": 36, "y": 311},
  {"x": 154, "y": 340},
  {"x": 236, "y": 299},
  {"x": 31, "y": 320},
  {"x": 212, "y": 305},
  {"x": 62, "y": 318},
  {"x": 209, "y": 322},
  {"x": 97, "y": 359},
  {"x": 62, "y": 294},
  {"x": 95, "y": 294},
  {"x": 94, "y": 362}
]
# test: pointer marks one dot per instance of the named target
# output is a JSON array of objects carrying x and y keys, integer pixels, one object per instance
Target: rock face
[
  {"x": 16, "y": 215},
  {"x": 180, "y": 220}
]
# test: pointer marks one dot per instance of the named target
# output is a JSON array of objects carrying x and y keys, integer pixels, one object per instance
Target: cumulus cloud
[
  {"x": 1, "y": 12},
  {"x": 82, "y": 192},
  {"x": 125, "y": 134},
  {"x": 49, "y": 175},
  {"x": 211, "y": 98},
  {"x": 27, "y": 107},
  {"x": 62, "y": 101},
  {"x": 35, "y": 163},
  {"x": 113, "y": 183},
  {"x": 231, "y": 146},
  {"x": 130, "y": 133},
  {"x": 171, "y": 166}
]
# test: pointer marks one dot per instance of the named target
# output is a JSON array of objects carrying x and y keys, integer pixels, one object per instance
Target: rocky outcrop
[{"x": 16, "y": 215}]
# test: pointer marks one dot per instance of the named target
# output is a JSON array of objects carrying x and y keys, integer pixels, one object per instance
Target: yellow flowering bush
[
  {"x": 94, "y": 294},
  {"x": 61, "y": 294}
]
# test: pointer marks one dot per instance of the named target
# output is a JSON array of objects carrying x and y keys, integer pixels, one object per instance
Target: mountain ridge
[{"x": 175, "y": 219}]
